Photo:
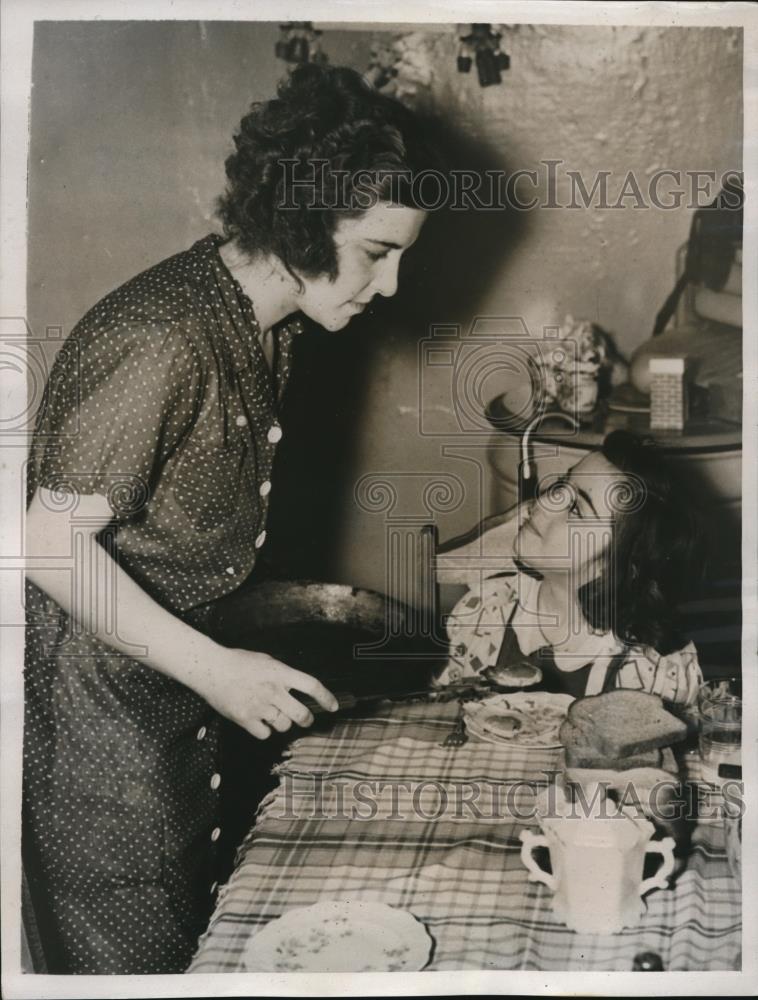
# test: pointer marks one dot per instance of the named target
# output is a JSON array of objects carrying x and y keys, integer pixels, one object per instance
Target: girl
[{"x": 588, "y": 583}]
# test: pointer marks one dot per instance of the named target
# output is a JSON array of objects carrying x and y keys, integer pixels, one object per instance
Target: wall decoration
[
  {"x": 299, "y": 43},
  {"x": 403, "y": 67},
  {"x": 480, "y": 43}
]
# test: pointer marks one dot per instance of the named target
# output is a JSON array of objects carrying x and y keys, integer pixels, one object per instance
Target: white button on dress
[
  {"x": 260, "y": 539},
  {"x": 147, "y": 396},
  {"x": 215, "y": 781},
  {"x": 265, "y": 488},
  {"x": 274, "y": 433}
]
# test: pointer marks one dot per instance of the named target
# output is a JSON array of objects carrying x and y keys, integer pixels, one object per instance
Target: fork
[{"x": 458, "y": 735}]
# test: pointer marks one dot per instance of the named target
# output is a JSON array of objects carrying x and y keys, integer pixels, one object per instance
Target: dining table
[{"x": 372, "y": 807}]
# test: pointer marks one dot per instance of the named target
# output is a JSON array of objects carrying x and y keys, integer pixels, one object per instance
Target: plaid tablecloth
[{"x": 373, "y": 808}]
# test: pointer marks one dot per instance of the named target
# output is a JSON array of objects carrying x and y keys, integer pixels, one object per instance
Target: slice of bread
[
  {"x": 574, "y": 734},
  {"x": 577, "y": 756},
  {"x": 581, "y": 751},
  {"x": 620, "y": 724}
]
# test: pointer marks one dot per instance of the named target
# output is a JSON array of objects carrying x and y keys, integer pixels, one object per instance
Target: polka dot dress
[{"x": 163, "y": 402}]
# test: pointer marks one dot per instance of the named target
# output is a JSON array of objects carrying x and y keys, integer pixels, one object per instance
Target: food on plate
[
  {"x": 522, "y": 674},
  {"x": 521, "y": 719},
  {"x": 505, "y": 723},
  {"x": 621, "y": 725}
]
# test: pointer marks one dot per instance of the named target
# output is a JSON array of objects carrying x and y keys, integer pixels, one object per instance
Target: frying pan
[
  {"x": 353, "y": 640},
  {"x": 318, "y": 628}
]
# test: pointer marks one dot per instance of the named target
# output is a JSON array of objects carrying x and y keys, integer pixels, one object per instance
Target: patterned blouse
[{"x": 476, "y": 629}]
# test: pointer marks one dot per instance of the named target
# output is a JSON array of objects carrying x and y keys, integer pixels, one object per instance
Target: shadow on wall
[
  {"x": 443, "y": 279},
  {"x": 464, "y": 246},
  {"x": 712, "y": 611}
]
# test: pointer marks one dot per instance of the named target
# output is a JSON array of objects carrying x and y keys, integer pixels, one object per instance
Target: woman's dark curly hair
[
  {"x": 654, "y": 560},
  {"x": 368, "y": 146}
]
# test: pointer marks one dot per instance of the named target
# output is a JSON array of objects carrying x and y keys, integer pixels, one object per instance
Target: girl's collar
[{"x": 575, "y": 651}]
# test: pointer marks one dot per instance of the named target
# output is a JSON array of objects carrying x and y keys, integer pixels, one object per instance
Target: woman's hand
[{"x": 253, "y": 690}]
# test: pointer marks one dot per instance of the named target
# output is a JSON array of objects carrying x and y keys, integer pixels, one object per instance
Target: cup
[
  {"x": 720, "y": 725},
  {"x": 597, "y": 865}
]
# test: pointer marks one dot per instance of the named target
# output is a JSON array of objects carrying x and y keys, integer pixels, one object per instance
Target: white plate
[
  {"x": 540, "y": 716},
  {"x": 339, "y": 936}
]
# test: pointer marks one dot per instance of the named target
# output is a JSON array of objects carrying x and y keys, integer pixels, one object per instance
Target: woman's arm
[{"x": 65, "y": 560}]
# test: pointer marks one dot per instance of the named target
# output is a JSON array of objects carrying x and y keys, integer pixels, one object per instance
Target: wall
[{"x": 130, "y": 126}]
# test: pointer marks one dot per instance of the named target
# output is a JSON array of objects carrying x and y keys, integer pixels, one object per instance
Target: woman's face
[
  {"x": 569, "y": 526},
  {"x": 369, "y": 248}
]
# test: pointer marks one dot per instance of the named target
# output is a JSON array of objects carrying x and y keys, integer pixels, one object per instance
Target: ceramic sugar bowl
[{"x": 597, "y": 857}]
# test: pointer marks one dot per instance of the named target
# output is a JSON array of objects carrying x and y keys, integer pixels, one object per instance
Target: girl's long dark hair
[{"x": 654, "y": 561}]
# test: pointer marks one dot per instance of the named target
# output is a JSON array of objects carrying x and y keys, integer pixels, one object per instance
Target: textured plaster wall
[
  {"x": 612, "y": 99},
  {"x": 130, "y": 125},
  {"x": 630, "y": 100}
]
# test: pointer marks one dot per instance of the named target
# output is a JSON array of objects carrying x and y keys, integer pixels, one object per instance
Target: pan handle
[
  {"x": 345, "y": 698},
  {"x": 428, "y": 583}
]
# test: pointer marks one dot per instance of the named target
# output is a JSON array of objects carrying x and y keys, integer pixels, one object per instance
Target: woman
[
  {"x": 590, "y": 581},
  {"x": 149, "y": 486}
]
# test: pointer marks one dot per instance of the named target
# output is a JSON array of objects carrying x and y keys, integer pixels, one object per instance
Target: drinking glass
[{"x": 720, "y": 723}]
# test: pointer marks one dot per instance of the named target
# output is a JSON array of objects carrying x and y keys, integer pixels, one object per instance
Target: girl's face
[
  {"x": 369, "y": 248},
  {"x": 569, "y": 526}
]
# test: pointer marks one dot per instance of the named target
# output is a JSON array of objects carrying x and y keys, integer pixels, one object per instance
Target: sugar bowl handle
[
  {"x": 660, "y": 880},
  {"x": 530, "y": 841}
]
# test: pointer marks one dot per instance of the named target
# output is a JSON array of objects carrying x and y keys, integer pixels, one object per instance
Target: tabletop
[
  {"x": 700, "y": 434},
  {"x": 372, "y": 808}
]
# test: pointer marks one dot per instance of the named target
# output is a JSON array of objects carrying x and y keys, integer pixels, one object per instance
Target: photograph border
[{"x": 18, "y": 18}]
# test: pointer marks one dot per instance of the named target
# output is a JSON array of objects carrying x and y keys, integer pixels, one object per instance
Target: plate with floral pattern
[
  {"x": 521, "y": 719},
  {"x": 336, "y": 936}
]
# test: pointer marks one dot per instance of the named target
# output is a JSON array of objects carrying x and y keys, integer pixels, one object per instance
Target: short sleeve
[
  {"x": 116, "y": 406},
  {"x": 475, "y": 630},
  {"x": 675, "y": 677}
]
